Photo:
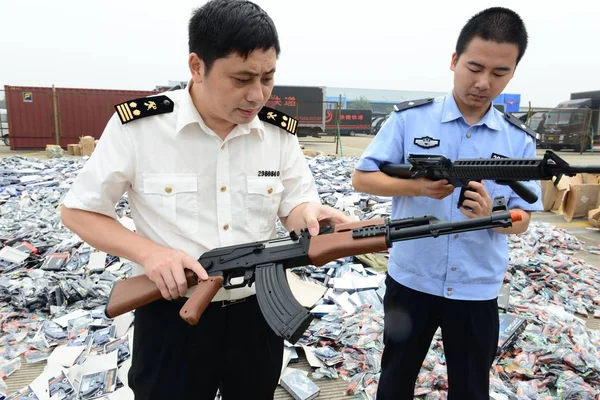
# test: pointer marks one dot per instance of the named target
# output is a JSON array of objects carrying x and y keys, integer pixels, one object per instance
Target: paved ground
[{"x": 353, "y": 147}]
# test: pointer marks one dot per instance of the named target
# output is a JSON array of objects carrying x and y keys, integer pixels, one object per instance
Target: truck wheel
[
  {"x": 556, "y": 147},
  {"x": 588, "y": 145}
]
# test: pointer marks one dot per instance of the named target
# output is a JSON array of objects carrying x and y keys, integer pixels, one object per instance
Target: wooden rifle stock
[{"x": 138, "y": 291}]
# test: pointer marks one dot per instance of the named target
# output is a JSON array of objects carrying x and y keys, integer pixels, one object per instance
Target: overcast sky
[{"x": 380, "y": 44}]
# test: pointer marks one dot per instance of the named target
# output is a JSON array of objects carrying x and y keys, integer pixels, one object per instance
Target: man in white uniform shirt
[{"x": 204, "y": 167}]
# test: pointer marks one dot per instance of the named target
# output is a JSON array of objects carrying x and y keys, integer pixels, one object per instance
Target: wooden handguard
[
  {"x": 131, "y": 293},
  {"x": 194, "y": 307}
]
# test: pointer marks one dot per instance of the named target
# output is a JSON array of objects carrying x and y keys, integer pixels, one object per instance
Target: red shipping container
[{"x": 79, "y": 112}]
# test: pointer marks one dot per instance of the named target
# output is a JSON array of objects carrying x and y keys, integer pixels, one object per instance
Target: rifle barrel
[{"x": 434, "y": 229}]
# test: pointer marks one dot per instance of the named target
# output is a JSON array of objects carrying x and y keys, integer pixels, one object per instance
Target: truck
[
  {"x": 573, "y": 124},
  {"x": 351, "y": 121},
  {"x": 305, "y": 103}
]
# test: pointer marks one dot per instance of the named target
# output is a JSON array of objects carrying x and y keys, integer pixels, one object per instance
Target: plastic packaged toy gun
[
  {"x": 263, "y": 264},
  {"x": 505, "y": 171}
]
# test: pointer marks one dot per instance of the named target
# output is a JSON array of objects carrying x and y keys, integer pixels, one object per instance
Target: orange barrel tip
[{"x": 515, "y": 215}]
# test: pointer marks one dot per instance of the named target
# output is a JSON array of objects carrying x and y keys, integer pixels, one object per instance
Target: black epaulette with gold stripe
[
  {"x": 143, "y": 107},
  {"x": 279, "y": 119}
]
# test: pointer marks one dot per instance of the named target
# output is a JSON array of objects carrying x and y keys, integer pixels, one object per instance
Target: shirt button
[
  {"x": 223, "y": 188},
  {"x": 456, "y": 236},
  {"x": 225, "y": 227},
  {"x": 453, "y": 269},
  {"x": 168, "y": 189},
  {"x": 222, "y": 146},
  {"x": 468, "y": 135},
  {"x": 449, "y": 291},
  {"x": 270, "y": 190}
]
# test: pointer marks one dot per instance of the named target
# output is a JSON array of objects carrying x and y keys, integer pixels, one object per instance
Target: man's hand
[
  {"x": 434, "y": 189},
  {"x": 165, "y": 267},
  {"x": 478, "y": 200},
  {"x": 314, "y": 214}
]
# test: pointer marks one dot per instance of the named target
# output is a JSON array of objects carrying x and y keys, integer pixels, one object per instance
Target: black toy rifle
[{"x": 505, "y": 171}]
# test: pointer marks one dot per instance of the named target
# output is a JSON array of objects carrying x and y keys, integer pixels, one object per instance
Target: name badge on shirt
[
  {"x": 427, "y": 142},
  {"x": 268, "y": 173}
]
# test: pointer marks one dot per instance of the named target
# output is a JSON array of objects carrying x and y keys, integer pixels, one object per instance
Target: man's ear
[
  {"x": 453, "y": 61},
  {"x": 197, "y": 67}
]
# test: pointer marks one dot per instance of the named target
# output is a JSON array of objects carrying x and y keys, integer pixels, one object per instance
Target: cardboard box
[
  {"x": 549, "y": 193},
  {"x": 88, "y": 145},
  {"x": 590, "y": 178},
  {"x": 580, "y": 199},
  {"x": 563, "y": 186},
  {"x": 594, "y": 217}
]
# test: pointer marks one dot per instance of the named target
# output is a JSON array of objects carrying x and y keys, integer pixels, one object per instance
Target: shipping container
[{"x": 38, "y": 116}]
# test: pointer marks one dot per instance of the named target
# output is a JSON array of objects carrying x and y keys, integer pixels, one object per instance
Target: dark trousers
[
  {"x": 231, "y": 348},
  {"x": 469, "y": 334}
]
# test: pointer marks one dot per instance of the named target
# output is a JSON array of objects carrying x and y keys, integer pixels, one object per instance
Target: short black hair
[
  {"x": 497, "y": 24},
  {"x": 222, "y": 27}
]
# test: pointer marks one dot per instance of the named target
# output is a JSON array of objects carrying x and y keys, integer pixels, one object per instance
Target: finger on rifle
[
  {"x": 467, "y": 213},
  {"x": 474, "y": 195},
  {"x": 338, "y": 217},
  {"x": 478, "y": 187},
  {"x": 436, "y": 184},
  {"x": 167, "y": 275},
  {"x": 473, "y": 205},
  {"x": 180, "y": 281},
  {"x": 312, "y": 223},
  {"x": 160, "y": 283},
  {"x": 194, "y": 265}
]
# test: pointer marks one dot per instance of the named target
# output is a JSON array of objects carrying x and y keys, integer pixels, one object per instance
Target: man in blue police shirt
[{"x": 451, "y": 282}]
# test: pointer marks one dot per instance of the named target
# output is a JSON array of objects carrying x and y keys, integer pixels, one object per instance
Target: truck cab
[{"x": 572, "y": 125}]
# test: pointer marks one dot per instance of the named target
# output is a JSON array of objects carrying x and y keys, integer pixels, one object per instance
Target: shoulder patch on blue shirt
[
  {"x": 519, "y": 124},
  {"x": 427, "y": 142},
  {"x": 279, "y": 119},
  {"x": 410, "y": 104}
]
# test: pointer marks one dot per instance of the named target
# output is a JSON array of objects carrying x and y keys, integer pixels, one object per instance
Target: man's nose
[{"x": 255, "y": 93}]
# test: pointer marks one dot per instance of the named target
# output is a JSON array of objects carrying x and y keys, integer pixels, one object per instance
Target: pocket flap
[
  {"x": 264, "y": 186},
  {"x": 170, "y": 184}
]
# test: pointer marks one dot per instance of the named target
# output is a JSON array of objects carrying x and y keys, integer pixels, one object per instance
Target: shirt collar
[
  {"x": 188, "y": 114},
  {"x": 450, "y": 112}
]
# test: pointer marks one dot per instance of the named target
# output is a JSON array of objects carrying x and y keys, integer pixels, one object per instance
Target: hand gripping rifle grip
[
  {"x": 131, "y": 293},
  {"x": 194, "y": 307}
]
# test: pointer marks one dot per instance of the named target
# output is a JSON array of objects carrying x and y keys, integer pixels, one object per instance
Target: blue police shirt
[{"x": 466, "y": 266}]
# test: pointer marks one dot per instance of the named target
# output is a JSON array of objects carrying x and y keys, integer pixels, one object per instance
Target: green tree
[{"x": 362, "y": 103}]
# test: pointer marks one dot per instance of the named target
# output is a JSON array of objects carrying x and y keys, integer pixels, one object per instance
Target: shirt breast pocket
[
  {"x": 174, "y": 198},
  {"x": 262, "y": 202}
]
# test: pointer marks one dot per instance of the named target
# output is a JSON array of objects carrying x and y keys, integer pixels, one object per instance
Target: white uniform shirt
[{"x": 190, "y": 190}]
